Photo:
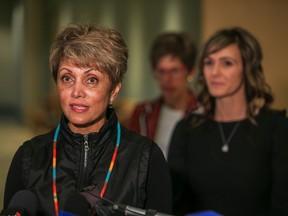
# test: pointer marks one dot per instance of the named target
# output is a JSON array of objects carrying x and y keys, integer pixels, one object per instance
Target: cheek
[
  {"x": 205, "y": 76},
  {"x": 182, "y": 79},
  {"x": 97, "y": 96},
  {"x": 236, "y": 77},
  {"x": 62, "y": 94}
]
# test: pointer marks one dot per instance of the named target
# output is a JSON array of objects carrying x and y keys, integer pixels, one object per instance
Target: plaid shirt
[{"x": 144, "y": 119}]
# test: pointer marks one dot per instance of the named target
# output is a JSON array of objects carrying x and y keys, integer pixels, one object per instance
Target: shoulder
[
  {"x": 192, "y": 122},
  {"x": 39, "y": 141},
  {"x": 195, "y": 117},
  {"x": 148, "y": 105},
  {"x": 140, "y": 146},
  {"x": 131, "y": 137},
  {"x": 135, "y": 141},
  {"x": 272, "y": 117}
]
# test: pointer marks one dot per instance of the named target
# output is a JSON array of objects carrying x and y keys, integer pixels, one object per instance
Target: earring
[
  {"x": 258, "y": 104},
  {"x": 189, "y": 78},
  {"x": 110, "y": 105}
]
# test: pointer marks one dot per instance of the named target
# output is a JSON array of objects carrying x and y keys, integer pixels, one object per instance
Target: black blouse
[{"x": 250, "y": 179}]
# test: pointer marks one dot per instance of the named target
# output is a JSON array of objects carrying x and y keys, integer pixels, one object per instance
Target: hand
[{"x": 104, "y": 210}]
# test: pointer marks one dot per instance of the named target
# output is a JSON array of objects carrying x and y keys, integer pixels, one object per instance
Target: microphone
[
  {"x": 205, "y": 213},
  {"x": 133, "y": 211},
  {"x": 76, "y": 205},
  {"x": 23, "y": 203},
  {"x": 93, "y": 198}
]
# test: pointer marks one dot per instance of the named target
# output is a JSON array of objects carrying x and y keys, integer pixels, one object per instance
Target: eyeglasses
[{"x": 173, "y": 72}]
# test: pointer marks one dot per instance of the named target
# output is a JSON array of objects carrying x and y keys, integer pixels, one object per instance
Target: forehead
[
  {"x": 75, "y": 63},
  {"x": 169, "y": 61},
  {"x": 72, "y": 67},
  {"x": 231, "y": 51}
]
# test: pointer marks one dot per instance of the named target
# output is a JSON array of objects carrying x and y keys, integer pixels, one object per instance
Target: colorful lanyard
[{"x": 54, "y": 170}]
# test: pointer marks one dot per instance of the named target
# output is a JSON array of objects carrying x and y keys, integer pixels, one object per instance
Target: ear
[{"x": 115, "y": 92}]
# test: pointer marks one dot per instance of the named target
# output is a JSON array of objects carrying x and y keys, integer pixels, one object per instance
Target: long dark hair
[{"x": 258, "y": 92}]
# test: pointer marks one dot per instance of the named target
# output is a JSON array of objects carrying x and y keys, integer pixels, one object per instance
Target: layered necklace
[
  {"x": 225, "y": 142},
  {"x": 54, "y": 167}
]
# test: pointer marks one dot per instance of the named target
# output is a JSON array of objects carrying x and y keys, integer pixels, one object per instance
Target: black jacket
[{"x": 130, "y": 179}]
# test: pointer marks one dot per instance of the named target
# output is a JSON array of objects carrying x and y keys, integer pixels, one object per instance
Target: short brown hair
[
  {"x": 176, "y": 44},
  {"x": 91, "y": 45}
]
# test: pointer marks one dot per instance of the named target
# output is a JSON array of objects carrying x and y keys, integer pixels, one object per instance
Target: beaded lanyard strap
[{"x": 55, "y": 198}]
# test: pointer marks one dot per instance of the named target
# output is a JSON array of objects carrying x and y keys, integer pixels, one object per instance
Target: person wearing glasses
[{"x": 173, "y": 56}]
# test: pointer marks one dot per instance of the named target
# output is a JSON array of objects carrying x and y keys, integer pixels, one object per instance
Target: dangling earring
[
  {"x": 110, "y": 105},
  {"x": 258, "y": 104},
  {"x": 189, "y": 78}
]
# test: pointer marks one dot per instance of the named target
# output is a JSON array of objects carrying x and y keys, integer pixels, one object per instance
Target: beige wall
[{"x": 268, "y": 21}]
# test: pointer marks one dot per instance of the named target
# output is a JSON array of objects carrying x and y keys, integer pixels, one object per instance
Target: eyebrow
[
  {"x": 223, "y": 58},
  {"x": 70, "y": 71},
  {"x": 229, "y": 58},
  {"x": 85, "y": 72}
]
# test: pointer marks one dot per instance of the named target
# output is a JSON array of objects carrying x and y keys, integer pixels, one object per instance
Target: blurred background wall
[
  {"x": 28, "y": 104},
  {"x": 31, "y": 25},
  {"x": 27, "y": 28}
]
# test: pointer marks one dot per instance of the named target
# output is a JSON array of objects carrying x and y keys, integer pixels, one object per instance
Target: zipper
[
  {"x": 83, "y": 168},
  {"x": 86, "y": 149}
]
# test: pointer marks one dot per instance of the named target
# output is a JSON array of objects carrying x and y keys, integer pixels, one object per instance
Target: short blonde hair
[{"x": 91, "y": 45}]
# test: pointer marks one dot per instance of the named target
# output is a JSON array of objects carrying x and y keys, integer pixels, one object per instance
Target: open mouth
[{"x": 79, "y": 108}]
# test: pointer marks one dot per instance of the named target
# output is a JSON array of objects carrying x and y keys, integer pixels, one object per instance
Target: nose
[
  {"x": 78, "y": 90},
  {"x": 215, "y": 70},
  {"x": 166, "y": 76}
]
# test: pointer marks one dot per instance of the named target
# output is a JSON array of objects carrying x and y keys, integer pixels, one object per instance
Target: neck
[
  {"x": 87, "y": 128},
  {"x": 230, "y": 109},
  {"x": 179, "y": 103}
]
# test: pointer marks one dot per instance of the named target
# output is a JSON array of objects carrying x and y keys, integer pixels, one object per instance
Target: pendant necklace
[
  {"x": 225, "y": 146},
  {"x": 54, "y": 168}
]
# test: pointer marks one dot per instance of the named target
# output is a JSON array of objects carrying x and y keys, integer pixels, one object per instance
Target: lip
[
  {"x": 168, "y": 91},
  {"x": 79, "y": 108},
  {"x": 214, "y": 83}
]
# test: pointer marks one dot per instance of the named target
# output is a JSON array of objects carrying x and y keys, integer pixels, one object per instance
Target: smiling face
[
  {"x": 84, "y": 94},
  {"x": 223, "y": 72}
]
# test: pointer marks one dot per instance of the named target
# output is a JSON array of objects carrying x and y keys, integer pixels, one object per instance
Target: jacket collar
[{"x": 95, "y": 139}]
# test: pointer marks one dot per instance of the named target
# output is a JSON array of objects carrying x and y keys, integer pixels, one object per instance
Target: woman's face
[
  {"x": 84, "y": 95},
  {"x": 223, "y": 71}
]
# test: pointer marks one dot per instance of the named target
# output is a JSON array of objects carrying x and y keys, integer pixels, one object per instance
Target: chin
[
  {"x": 216, "y": 93},
  {"x": 80, "y": 124},
  {"x": 78, "y": 121}
]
